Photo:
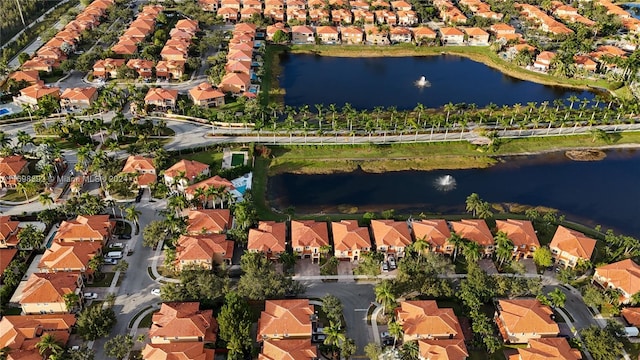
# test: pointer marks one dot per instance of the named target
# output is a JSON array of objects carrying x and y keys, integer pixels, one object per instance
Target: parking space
[
  {"x": 345, "y": 268},
  {"x": 488, "y": 266},
  {"x": 530, "y": 266},
  {"x": 305, "y": 267}
]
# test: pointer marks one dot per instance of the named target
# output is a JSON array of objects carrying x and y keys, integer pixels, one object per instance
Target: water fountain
[
  {"x": 445, "y": 183},
  {"x": 423, "y": 82}
]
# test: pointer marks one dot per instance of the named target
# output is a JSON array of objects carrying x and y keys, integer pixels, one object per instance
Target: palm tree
[
  {"x": 49, "y": 344},
  {"x": 384, "y": 294},
  {"x": 471, "y": 251},
  {"x": 504, "y": 249},
  {"x": 132, "y": 214},
  {"x": 334, "y": 336},
  {"x": 473, "y": 203},
  {"x": 420, "y": 245},
  {"x": 95, "y": 262},
  {"x": 396, "y": 331},
  {"x": 572, "y": 99},
  {"x": 71, "y": 300},
  {"x": 457, "y": 243},
  {"x": 45, "y": 199},
  {"x": 199, "y": 197},
  {"x": 23, "y": 139},
  {"x": 557, "y": 298}
]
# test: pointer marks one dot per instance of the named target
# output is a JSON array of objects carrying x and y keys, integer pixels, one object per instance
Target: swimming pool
[
  {"x": 5, "y": 111},
  {"x": 241, "y": 189},
  {"x": 50, "y": 241}
]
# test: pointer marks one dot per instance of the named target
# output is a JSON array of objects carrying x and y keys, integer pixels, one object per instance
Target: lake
[
  {"x": 390, "y": 81},
  {"x": 604, "y": 192}
]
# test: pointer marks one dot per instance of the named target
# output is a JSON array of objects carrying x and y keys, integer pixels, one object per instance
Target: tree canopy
[
  {"x": 95, "y": 322},
  {"x": 235, "y": 324}
]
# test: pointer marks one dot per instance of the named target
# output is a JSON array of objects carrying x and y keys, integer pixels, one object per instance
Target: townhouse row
[
  {"x": 239, "y": 69},
  {"x": 142, "y": 27},
  {"x": 70, "y": 98}
]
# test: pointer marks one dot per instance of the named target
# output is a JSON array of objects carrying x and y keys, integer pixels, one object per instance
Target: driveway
[
  {"x": 530, "y": 266},
  {"x": 574, "y": 306},
  {"x": 345, "y": 268},
  {"x": 488, "y": 266},
  {"x": 306, "y": 268},
  {"x": 356, "y": 299}
]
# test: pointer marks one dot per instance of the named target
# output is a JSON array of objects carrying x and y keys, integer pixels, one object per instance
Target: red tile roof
[
  {"x": 49, "y": 287},
  {"x": 208, "y": 221},
  {"x": 285, "y": 317},
  {"x": 310, "y": 233},
  {"x": 183, "y": 320},
  {"x": 270, "y": 236}
]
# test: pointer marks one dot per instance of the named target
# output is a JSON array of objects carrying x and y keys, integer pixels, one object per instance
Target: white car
[
  {"x": 116, "y": 245},
  {"x": 90, "y": 296},
  {"x": 109, "y": 261},
  {"x": 155, "y": 292}
]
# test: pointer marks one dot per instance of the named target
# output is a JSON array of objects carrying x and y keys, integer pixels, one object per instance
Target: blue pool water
[
  {"x": 50, "y": 241},
  {"x": 242, "y": 189},
  {"x": 4, "y": 111}
]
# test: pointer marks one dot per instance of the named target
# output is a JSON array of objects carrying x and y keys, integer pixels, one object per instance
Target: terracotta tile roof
[
  {"x": 520, "y": 232},
  {"x": 124, "y": 49},
  {"x": 302, "y": 29},
  {"x": 425, "y": 319},
  {"x": 270, "y": 236},
  {"x": 38, "y": 90},
  {"x": 451, "y": 31},
  {"x": 327, "y": 30},
  {"x": 435, "y": 232},
  {"x": 241, "y": 47},
  {"x": 49, "y": 287},
  {"x": 203, "y": 247},
  {"x": 423, "y": 31},
  {"x": 310, "y": 233},
  {"x": 69, "y": 256},
  {"x": 183, "y": 320},
  {"x": 30, "y": 76},
  {"x": 95, "y": 227},
  {"x": 548, "y": 349},
  {"x": 79, "y": 94},
  {"x": 475, "y": 230},
  {"x": 137, "y": 163},
  {"x": 400, "y": 31},
  {"x": 351, "y": 30},
  {"x": 24, "y": 331},
  {"x": 205, "y": 91},
  {"x": 12, "y": 165},
  {"x": 208, "y": 221},
  {"x": 238, "y": 79},
  {"x": 474, "y": 31},
  {"x": 8, "y": 231},
  {"x": 177, "y": 351},
  {"x": 6, "y": 256},
  {"x": 288, "y": 350},
  {"x": 453, "y": 349},
  {"x": 391, "y": 233},
  {"x": 573, "y": 242},
  {"x": 631, "y": 315},
  {"x": 189, "y": 168},
  {"x": 215, "y": 181},
  {"x": 160, "y": 94},
  {"x": 285, "y": 317},
  {"x": 524, "y": 316},
  {"x": 348, "y": 236},
  {"x": 238, "y": 66},
  {"x": 624, "y": 275}
]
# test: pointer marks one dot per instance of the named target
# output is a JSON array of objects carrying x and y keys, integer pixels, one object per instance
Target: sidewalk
[{"x": 154, "y": 266}]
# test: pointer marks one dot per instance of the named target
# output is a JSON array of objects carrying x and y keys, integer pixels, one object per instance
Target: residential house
[
  {"x": 143, "y": 168},
  {"x": 407, "y": 18},
  {"x": 423, "y": 33},
  {"x": 477, "y": 36},
  {"x": 235, "y": 83},
  {"x": 351, "y": 35},
  {"x": 436, "y": 233},
  {"x": 209, "y": 5},
  {"x": 188, "y": 25},
  {"x": 170, "y": 69},
  {"x": 78, "y": 98},
  {"x": 543, "y": 60},
  {"x": 631, "y": 315},
  {"x": 570, "y": 14},
  {"x": 302, "y": 35},
  {"x": 453, "y": 349},
  {"x": 475, "y": 230},
  {"x": 350, "y": 240},
  {"x": 359, "y": 4},
  {"x": 228, "y": 14},
  {"x": 20, "y": 333},
  {"x": 286, "y": 319},
  {"x": 341, "y": 16},
  {"x": 107, "y": 68},
  {"x": 391, "y": 237},
  {"x": 272, "y": 29},
  {"x": 203, "y": 251},
  {"x": 8, "y": 232},
  {"x": 224, "y": 186},
  {"x": 364, "y": 16},
  {"x": 30, "y": 76},
  {"x": 177, "y": 350},
  {"x": 248, "y": 13},
  {"x": 423, "y": 319},
  {"x": 6, "y": 257},
  {"x": 205, "y": 95},
  {"x": 125, "y": 46},
  {"x": 175, "y": 53},
  {"x": 570, "y": 246},
  {"x": 623, "y": 276},
  {"x": 584, "y": 62},
  {"x": 269, "y": 238},
  {"x": 86, "y": 228},
  {"x": 11, "y": 169},
  {"x": 208, "y": 221},
  {"x": 51, "y": 53},
  {"x": 520, "y": 320},
  {"x": 451, "y": 36},
  {"x": 376, "y": 36},
  {"x": 400, "y": 35},
  {"x": 400, "y": 5},
  {"x": 319, "y": 16},
  {"x": 298, "y": 349},
  {"x": 44, "y": 292},
  {"x": 70, "y": 256},
  {"x": 32, "y": 94},
  {"x": 161, "y": 98},
  {"x": 328, "y": 34},
  {"x": 39, "y": 64},
  {"x": 185, "y": 172},
  {"x": 548, "y": 349},
  {"x": 240, "y": 55},
  {"x": 308, "y": 237},
  {"x": 522, "y": 235},
  {"x": 143, "y": 67},
  {"x": 180, "y": 322}
]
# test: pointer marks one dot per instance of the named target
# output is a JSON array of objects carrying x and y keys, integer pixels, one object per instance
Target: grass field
[{"x": 210, "y": 157}]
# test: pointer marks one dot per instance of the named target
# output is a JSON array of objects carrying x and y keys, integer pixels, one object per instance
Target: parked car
[
  {"x": 318, "y": 338},
  {"x": 109, "y": 261},
  {"x": 155, "y": 292},
  {"x": 385, "y": 266},
  {"x": 90, "y": 296},
  {"x": 116, "y": 245},
  {"x": 124, "y": 237},
  {"x": 392, "y": 262}
]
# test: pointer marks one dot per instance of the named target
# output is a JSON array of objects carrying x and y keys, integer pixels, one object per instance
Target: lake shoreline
[{"x": 480, "y": 54}]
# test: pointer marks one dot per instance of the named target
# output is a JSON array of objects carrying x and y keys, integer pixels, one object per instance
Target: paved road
[{"x": 356, "y": 299}]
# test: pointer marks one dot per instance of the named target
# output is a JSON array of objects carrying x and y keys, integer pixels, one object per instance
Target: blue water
[
  {"x": 629, "y": 6},
  {"x": 242, "y": 189},
  {"x": 50, "y": 241},
  {"x": 603, "y": 192},
  {"x": 390, "y": 81},
  {"x": 4, "y": 111}
]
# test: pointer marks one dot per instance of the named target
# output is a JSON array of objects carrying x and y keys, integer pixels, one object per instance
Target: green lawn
[
  {"x": 210, "y": 157},
  {"x": 13, "y": 195},
  {"x": 104, "y": 282},
  {"x": 146, "y": 321},
  {"x": 237, "y": 159}
]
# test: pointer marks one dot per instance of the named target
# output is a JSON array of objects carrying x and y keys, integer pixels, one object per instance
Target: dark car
[{"x": 124, "y": 237}]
